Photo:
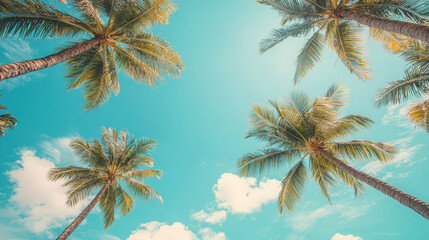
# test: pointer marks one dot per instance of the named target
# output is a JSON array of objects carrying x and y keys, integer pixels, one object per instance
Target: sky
[{"x": 199, "y": 121}]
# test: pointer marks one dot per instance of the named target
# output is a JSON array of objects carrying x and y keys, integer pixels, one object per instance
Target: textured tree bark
[
  {"x": 20, "y": 68},
  {"x": 411, "y": 30},
  {"x": 405, "y": 199},
  {"x": 66, "y": 233}
]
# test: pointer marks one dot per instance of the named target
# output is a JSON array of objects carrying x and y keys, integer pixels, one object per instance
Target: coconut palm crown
[
  {"x": 414, "y": 84},
  {"x": 109, "y": 36},
  {"x": 336, "y": 23},
  {"x": 112, "y": 168}
]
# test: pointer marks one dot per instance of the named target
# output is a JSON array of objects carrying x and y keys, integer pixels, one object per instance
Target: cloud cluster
[
  {"x": 242, "y": 194},
  {"x": 345, "y": 237},
  {"x": 178, "y": 231},
  {"x": 40, "y": 203}
]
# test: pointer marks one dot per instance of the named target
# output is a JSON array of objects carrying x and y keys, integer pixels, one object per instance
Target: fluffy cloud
[
  {"x": 212, "y": 218},
  {"x": 345, "y": 237},
  {"x": 161, "y": 231},
  {"x": 242, "y": 194},
  {"x": 39, "y": 202},
  {"x": 303, "y": 220},
  {"x": 208, "y": 234}
]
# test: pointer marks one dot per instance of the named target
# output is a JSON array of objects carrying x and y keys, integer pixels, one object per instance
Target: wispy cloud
[
  {"x": 216, "y": 217},
  {"x": 303, "y": 220}
]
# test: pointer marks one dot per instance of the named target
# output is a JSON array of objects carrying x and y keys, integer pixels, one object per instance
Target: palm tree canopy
[
  {"x": 321, "y": 20},
  {"x": 296, "y": 130},
  {"x": 415, "y": 83},
  {"x": 7, "y": 121},
  {"x": 123, "y": 27},
  {"x": 117, "y": 158}
]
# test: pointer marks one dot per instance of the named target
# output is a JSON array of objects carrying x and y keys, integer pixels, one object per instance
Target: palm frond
[
  {"x": 363, "y": 149},
  {"x": 419, "y": 114},
  {"x": 295, "y": 10},
  {"x": 345, "y": 126},
  {"x": 143, "y": 174},
  {"x": 260, "y": 162},
  {"x": 108, "y": 202},
  {"x": 411, "y": 10},
  {"x": 7, "y": 121},
  {"x": 32, "y": 18},
  {"x": 308, "y": 56},
  {"x": 141, "y": 190},
  {"x": 292, "y": 187},
  {"x": 321, "y": 173},
  {"x": 345, "y": 39},
  {"x": 124, "y": 200},
  {"x": 414, "y": 84},
  {"x": 281, "y": 34},
  {"x": 130, "y": 16}
]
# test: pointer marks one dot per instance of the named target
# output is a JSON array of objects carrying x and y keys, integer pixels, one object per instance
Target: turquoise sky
[{"x": 199, "y": 121}]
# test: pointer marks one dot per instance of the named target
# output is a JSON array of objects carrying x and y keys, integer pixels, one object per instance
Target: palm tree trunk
[
  {"x": 411, "y": 30},
  {"x": 20, "y": 68},
  {"x": 405, "y": 199},
  {"x": 83, "y": 214}
]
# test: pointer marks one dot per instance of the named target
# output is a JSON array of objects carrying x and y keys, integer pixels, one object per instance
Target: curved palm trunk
[
  {"x": 405, "y": 199},
  {"x": 411, "y": 30},
  {"x": 20, "y": 68},
  {"x": 83, "y": 214}
]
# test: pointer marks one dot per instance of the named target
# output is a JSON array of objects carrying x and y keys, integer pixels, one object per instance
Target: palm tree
[
  {"x": 120, "y": 40},
  {"x": 7, "y": 121},
  {"x": 336, "y": 23},
  {"x": 415, "y": 83},
  {"x": 308, "y": 135},
  {"x": 109, "y": 165}
]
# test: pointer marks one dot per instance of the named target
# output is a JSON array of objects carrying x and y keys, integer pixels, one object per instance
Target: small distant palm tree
[
  {"x": 7, "y": 121},
  {"x": 308, "y": 134},
  {"x": 414, "y": 84},
  {"x": 101, "y": 49},
  {"x": 109, "y": 165},
  {"x": 335, "y": 23}
]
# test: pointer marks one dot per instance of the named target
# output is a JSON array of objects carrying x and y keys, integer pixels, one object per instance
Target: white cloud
[
  {"x": 161, "y": 231},
  {"x": 40, "y": 203},
  {"x": 303, "y": 220},
  {"x": 209, "y": 234},
  {"x": 242, "y": 194},
  {"x": 216, "y": 217},
  {"x": 345, "y": 237}
]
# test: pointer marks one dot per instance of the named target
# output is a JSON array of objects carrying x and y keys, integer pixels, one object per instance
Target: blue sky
[{"x": 199, "y": 121}]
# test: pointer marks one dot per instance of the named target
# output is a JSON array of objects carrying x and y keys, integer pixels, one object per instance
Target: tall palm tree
[
  {"x": 7, "y": 121},
  {"x": 110, "y": 165},
  {"x": 415, "y": 83},
  {"x": 110, "y": 36},
  {"x": 336, "y": 23},
  {"x": 308, "y": 134}
]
